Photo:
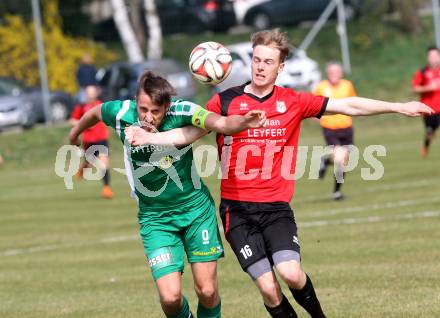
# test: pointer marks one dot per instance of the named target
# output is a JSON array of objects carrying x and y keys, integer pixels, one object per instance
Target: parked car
[
  {"x": 119, "y": 80},
  {"x": 300, "y": 72},
  {"x": 21, "y": 105},
  {"x": 195, "y": 16},
  {"x": 284, "y": 12},
  {"x": 242, "y": 6}
]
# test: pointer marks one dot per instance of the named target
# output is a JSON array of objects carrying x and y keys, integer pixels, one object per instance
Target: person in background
[
  {"x": 95, "y": 135},
  {"x": 337, "y": 129},
  {"x": 426, "y": 82},
  {"x": 85, "y": 76}
]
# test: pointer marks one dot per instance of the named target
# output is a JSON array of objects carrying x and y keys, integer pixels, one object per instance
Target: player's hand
[
  {"x": 433, "y": 86},
  {"x": 74, "y": 137},
  {"x": 137, "y": 136},
  {"x": 256, "y": 119},
  {"x": 413, "y": 109}
]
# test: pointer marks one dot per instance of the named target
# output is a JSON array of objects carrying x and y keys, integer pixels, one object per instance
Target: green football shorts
[{"x": 190, "y": 230}]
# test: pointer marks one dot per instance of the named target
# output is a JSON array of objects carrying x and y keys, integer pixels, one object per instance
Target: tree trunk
[
  {"x": 126, "y": 32},
  {"x": 135, "y": 12},
  {"x": 154, "y": 30},
  {"x": 409, "y": 17}
]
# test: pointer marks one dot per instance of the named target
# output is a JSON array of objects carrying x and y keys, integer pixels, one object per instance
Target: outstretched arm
[
  {"x": 90, "y": 118},
  {"x": 233, "y": 124},
  {"x": 359, "y": 106},
  {"x": 425, "y": 88},
  {"x": 176, "y": 137},
  {"x": 186, "y": 135}
]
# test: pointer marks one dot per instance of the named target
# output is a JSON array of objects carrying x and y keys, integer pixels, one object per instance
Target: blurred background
[{"x": 71, "y": 254}]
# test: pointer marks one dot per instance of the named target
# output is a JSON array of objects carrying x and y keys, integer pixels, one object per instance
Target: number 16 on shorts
[{"x": 246, "y": 251}]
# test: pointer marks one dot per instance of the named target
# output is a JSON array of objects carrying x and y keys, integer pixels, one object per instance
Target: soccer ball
[{"x": 210, "y": 62}]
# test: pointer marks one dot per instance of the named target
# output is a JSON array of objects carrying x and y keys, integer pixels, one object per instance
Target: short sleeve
[
  {"x": 183, "y": 113},
  {"x": 77, "y": 112},
  {"x": 109, "y": 110},
  {"x": 417, "y": 79},
  {"x": 311, "y": 105},
  {"x": 214, "y": 104}
]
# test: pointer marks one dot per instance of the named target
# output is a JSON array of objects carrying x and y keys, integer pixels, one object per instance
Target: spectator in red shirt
[
  {"x": 426, "y": 82},
  {"x": 96, "y": 135},
  {"x": 258, "y": 171}
]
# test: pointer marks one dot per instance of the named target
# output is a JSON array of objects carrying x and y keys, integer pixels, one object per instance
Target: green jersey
[{"x": 163, "y": 178}]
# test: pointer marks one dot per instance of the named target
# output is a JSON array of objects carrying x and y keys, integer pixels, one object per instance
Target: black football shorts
[{"x": 258, "y": 230}]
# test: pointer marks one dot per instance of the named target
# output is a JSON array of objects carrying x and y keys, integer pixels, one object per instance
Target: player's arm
[
  {"x": 229, "y": 125},
  {"x": 425, "y": 88},
  {"x": 203, "y": 121},
  {"x": 90, "y": 118},
  {"x": 359, "y": 106},
  {"x": 176, "y": 137}
]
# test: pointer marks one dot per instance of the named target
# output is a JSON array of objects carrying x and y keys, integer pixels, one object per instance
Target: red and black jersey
[
  {"x": 95, "y": 133},
  {"x": 259, "y": 164},
  {"x": 426, "y": 76}
]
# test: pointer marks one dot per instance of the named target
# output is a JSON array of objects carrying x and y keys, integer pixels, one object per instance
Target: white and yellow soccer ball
[{"x": 210, "y": 62}]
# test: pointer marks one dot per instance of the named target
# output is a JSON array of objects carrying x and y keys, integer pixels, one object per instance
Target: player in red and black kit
[
  {"x": 258, "y": 171},
  {"x": 94, "y": 136},
  {"x": 426, "y": 82}
]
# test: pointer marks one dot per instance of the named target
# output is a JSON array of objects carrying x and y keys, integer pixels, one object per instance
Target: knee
[
  {"x": 207, "y": 294},
  {"x": 294, "y": 278},
  {"x": 271, "y": 292},
  {"x": 170, "y": 298}
]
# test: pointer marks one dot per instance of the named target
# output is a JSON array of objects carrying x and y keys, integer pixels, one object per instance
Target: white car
[
  {"x": 241, "y": 7},
  {"x": 300, "y": 72}
]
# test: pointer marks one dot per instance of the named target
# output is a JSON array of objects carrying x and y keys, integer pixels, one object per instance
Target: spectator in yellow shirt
[{"x": 338, "y": 130}]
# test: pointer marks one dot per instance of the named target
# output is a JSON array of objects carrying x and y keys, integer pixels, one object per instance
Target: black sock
[
  {"x": 283, "y": 310},
  {"x": 106, "y": 178},
  {"x": 306, "y": 297},
  {"x": 427, "y": 142}
]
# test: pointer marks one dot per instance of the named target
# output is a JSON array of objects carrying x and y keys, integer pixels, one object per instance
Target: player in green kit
[{"x": 176, "y": 211}]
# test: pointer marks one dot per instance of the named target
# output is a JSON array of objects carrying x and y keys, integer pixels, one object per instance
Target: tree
[
  {"x": 126, "y": 32},
  {"x": 135, "y": 13},
  {"x": 18, "y": 53},
  {"x": 409, "y": 17},
  {"x": 154, "y": 30}
]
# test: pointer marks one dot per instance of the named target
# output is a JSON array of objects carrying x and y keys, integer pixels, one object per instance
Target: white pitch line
[
  {"x": 113, "y": 239},
  {"x": 377, "y": 206},
  {"x": 385, "y": 187},
  {"x": 370, "y": 219}
]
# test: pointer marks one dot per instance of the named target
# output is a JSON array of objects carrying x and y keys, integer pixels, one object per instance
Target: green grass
[{"x": 68, "y": 253}]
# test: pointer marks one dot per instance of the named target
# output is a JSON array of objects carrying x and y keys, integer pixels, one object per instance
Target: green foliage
[{"x": 18, "y": 53}]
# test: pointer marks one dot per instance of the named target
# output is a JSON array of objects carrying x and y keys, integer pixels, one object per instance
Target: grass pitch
[{"x": 69, "y": 253}]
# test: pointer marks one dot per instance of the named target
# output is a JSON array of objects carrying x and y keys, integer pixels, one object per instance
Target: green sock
[
  {"x": 184, "y": 311},
  {"x": 203, "y": 312}
]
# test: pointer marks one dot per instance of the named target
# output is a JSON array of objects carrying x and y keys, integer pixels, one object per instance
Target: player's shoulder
[
  {"x": 232, "y": 92},
  {"x": 116, "y": 103},
  {"x": 180, "y": 107},
  {"x": 119, "y": 107},
  {"x": 345, "y": 81},
  {"x": 286, "y": 92}
]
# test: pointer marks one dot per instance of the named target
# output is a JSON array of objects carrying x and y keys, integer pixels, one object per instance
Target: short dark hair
[
  {"x": 432, "y": 48},
  {"x": 155, "y": 86},
  {"x": 274, "y": 38}
]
